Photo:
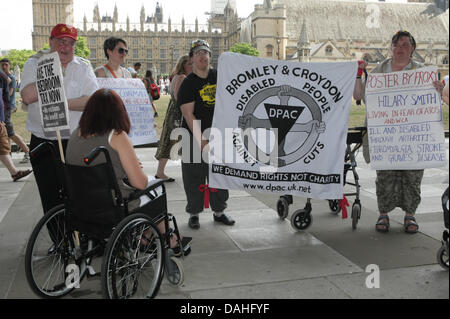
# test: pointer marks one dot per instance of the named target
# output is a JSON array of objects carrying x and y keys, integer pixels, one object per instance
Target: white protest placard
[
  {"x": 280, "y": 126},
  {"x": 404, "y": 120},
  {"x": 53, "y": 104},
  {"x": 139, "y": 109}
]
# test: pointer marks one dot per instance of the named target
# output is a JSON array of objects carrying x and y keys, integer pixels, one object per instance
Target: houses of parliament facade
[{"x": 296, "y": 30}]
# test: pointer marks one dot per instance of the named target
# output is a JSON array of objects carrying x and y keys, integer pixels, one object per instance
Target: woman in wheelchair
[{"x": 105, "y": 122}]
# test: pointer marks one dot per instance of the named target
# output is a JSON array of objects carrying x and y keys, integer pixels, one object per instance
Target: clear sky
[{"x": 16, "y": 17}]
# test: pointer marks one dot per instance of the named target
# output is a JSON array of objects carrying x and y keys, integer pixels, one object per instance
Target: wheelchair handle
[
  {"x": 94, "y": 153},
  {"x": 37, "y": 151}
]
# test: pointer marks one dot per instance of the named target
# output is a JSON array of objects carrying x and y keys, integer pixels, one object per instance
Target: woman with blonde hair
[{"x": 173, "y": 116}]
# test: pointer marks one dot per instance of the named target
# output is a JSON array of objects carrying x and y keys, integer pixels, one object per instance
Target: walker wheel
[
  {"x": 442, "y": 257},
  {"x": 282, "y": 208},
  {"x": 356, "y": 214},
  {"x": 334, "y": 206},
  {"x": 301, "y": 219},
  {"x": 175, "y": 271}
]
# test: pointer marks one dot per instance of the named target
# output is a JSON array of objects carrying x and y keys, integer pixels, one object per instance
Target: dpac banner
[
  {"x": 51, "y": 94},
  {"x": 280, "y": 126},
  {"x": 137, "y": 102},
  {"x": 404, "y": 120}
]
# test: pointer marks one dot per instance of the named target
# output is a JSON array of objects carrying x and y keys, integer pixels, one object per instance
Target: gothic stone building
[{"x": 305, "y": 30}]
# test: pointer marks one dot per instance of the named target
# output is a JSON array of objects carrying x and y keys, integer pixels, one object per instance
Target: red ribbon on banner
[
  {"x": 344, "y": 204},
  {"x": 204, "y": 188}
]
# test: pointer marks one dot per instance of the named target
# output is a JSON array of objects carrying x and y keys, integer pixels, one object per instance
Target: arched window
[
  {"x": 329, "y": 50},
  {"x": 269, "y": 50},
  {"x": 445, "y": 60}
]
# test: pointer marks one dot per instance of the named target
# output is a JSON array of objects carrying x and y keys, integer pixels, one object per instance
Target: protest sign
[
  {"x": 51, "y": 94},
  {"x": 139, "y": 109},
  {"x": 404, "y": 120},
  {"x": 280, "y": 126}
]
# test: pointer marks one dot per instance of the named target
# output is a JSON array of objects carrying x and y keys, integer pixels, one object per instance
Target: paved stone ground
[{"x": 262, "y": 256}]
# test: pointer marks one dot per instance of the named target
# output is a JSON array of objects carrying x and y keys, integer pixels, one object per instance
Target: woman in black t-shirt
[{"x": 196, "y": 98}]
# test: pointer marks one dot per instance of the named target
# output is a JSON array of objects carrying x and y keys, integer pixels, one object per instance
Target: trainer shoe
[
  {"x": 25, "y": 159},
  {"x": 224, "y": 219},
  {"x": 194, "y": 222}
]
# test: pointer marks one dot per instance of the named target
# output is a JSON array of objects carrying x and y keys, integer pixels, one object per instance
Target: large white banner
[
  {"x": 137, "y": 102},
  {"x": 281, "y": 126},
  {"x": 404, "y": 120},
  {"x": 53, "y": 105}
]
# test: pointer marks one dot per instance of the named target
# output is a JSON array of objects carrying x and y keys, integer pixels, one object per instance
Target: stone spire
[
  {"x": 303, "y": 46},
  {"x": 115, "y": 15},
  {"x": 85, "y": 24},
  {"x": 267, "y": 4},
  {"x": 142, "y": 18}
]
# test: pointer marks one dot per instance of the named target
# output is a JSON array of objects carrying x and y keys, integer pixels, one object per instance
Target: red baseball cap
[{"x": 63, "y": 30}]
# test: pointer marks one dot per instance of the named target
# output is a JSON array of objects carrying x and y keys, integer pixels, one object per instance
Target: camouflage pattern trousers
[{"x": 398, "y": 189}]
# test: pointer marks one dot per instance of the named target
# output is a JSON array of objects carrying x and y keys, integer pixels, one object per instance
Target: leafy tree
[
  {"x": 244, "y": 48},
  {"x": 81, "y": 48},
  {"x": 18, "y": 57}
]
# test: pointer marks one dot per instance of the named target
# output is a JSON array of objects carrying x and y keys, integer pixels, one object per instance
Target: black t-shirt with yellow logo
[{"x": 203, "y": 93}]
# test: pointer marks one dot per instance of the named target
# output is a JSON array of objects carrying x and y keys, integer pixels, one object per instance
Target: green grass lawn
[{"x": 357, "y": 116}]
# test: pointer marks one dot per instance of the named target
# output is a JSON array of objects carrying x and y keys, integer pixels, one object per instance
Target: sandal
[
  {"x": 383, "y": 221},
  {"x": 21, "y": 174},
  {"x": 410, "y": 221}
]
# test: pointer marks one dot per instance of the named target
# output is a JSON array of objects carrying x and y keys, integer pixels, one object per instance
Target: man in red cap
[{"x": 79, "y": 84}]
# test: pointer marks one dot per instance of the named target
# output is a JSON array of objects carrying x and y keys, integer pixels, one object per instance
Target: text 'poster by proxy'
[{"x": 404, "y": 120}]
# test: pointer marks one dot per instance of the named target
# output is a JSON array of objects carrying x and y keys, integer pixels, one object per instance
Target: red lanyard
[{"x": 110, "y": 70}]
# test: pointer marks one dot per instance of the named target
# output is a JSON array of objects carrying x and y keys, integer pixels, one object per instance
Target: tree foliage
[
  {"x": 18, "y": 57},
  {"x": 244, "y": 48}
]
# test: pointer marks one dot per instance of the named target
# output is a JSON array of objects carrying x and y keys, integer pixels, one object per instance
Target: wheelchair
[{"x": 94, "y": 221}]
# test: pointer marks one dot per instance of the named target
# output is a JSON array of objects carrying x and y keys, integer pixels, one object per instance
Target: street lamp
[{"x": 278, "y": 42}]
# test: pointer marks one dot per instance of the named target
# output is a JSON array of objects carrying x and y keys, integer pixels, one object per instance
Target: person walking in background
[
  {"x": 396, "y": 188},
  {"x": 148, "y": 81},
  {"x": 115, "y": 51},
  {"x": 79, "y": 83},
  {"x": 5, "y": 146},
  {"x": 6, "y": 67},
  {"x": 173, "y": 116},
  {"x": 196, "y": 99}
]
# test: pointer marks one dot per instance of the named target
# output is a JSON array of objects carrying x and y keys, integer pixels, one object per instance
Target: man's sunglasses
[{"x": 122, "y": 51}]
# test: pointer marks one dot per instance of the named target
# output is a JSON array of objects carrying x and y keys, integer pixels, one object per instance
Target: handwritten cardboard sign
[
  {"x": 137, "y": 102},
  {"x": 404, "y": 117},
  {"x": 51, "y": 95}
]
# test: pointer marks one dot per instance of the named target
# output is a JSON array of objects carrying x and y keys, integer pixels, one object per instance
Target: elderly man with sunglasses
[
  {"x": 196, "y": 99},
  {"x": 79, "y": 84}
]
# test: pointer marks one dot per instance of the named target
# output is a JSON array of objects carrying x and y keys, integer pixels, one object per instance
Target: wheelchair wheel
[
  {"x": 175, "y": 271},
  {"x": 132, "y": 266},
  {"x": 334, "y": 206},
  {"x": 282, "y": 208},
  {"x": 442, "y": 257},
  {"x": 356, "y": 214},
  {"x": 301, "y": 219},
  {"x": 50, "y": 257}
]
